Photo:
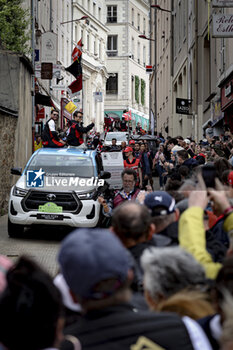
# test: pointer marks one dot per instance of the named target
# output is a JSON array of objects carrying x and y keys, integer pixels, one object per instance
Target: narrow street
[
  {"x": 37, "y": 244},
  {"x": 41, "y": 244}
]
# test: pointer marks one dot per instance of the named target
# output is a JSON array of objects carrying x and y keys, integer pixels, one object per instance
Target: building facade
[
  {"x": 161, "y": 59},
  {"x": 201, "y": 66},
  {"x": 127, "y": 87},
  {"x": 93, "y": 33}
]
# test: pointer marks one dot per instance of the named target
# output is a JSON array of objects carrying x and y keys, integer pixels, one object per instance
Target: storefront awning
[
  {"x": 43, "y": 100},
  {"x": 216, "y": 121}
]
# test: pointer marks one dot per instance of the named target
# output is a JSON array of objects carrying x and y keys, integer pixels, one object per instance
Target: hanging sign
[
  {"x": 49, "y": 47},
  {"x": 183, "y": 106},
  {"x": 222, "y": 3},
  {"x": 222, "y": 26}
]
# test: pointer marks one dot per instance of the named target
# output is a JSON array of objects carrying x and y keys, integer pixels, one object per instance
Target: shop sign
[
  {"x": 56, "y": 70},
  {"x": 98, "y": 96},
  {"x": 46, "y": 71},
  {"x": 222, "y": 26},
  {"x": 226, "y": 94},
  {"x": 228, "y": 90},
  {"x": 49, "y": 47},
  {"x": 183, "y": 106}
]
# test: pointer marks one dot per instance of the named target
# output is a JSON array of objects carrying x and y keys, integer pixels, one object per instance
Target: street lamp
[
  {"x": 74, "y": 20},
  {"x": 157, "y": 7}
]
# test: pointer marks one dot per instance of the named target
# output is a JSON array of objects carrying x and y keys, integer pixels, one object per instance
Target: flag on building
[
  {"x": 76, "y": 67},
  {"x": 127, "y": 116},
  {"x": 76, "y": 85},
  {"x": 77, "y": 51}
]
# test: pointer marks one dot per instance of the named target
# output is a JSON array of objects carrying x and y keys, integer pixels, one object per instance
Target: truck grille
[{"x": 68, "y": 201}]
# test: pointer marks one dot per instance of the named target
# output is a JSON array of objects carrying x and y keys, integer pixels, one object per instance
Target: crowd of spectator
[{"x": 160, "y": 277}]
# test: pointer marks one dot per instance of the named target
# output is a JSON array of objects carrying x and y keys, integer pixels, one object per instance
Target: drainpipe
[
  {"x": 33, "y": 65},
  {"x": 155, "y": 72}
]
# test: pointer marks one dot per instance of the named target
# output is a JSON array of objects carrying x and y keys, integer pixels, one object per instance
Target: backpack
[{"x": 46, "y": 134}]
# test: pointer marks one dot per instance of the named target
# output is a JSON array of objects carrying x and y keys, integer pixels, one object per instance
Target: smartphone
[{"x": 209, "y": 175}]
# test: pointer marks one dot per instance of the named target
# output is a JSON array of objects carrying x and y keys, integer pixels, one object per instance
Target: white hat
[{"x": 187, "y": 141}]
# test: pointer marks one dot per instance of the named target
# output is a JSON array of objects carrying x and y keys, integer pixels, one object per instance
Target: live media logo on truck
[{"x": 35, "y": 178}]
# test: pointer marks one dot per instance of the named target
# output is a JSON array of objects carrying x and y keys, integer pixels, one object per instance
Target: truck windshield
[
  {"x": 120, "y": 136},
  {"x": 60, "y": 165}
]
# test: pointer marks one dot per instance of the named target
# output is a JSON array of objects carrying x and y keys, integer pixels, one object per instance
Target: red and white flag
[
  {"x": 127, "y": 116},
  {"x": 77, "y": 51},
  {"x": 76, "y": 85}
]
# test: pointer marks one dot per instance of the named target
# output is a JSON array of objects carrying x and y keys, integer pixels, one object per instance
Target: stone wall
[
  {"x": 7, "y": 154},
  {"x": 15, "y": 119}
]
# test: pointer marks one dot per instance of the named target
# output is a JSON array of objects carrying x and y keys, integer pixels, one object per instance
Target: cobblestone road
[{"x": 41, "y": 245}]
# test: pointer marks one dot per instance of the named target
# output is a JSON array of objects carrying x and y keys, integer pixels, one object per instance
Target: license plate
[{"x": 49, "y": 217}]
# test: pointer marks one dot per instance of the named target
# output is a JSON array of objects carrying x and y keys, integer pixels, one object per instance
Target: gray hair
[{"x": 169, "y": 270}]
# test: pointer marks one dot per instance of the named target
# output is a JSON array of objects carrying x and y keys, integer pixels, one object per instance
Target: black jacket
[
  {"x": 75, "y": 133},
  {"x": 120, "y": 327}
]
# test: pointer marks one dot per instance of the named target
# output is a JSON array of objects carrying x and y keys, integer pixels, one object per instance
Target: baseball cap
[
  {"x": 89, "y": 256},
  {"x": 128, "y": 149},
  {"x": 187, "y": 141},
  {"x": 160, "y": 203},
  {"x": 132, "y": 142}
]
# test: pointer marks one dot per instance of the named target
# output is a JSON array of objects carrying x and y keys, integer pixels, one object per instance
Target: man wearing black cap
[
  {"x": 76, "y": 130},
  {"x": 97, "y": 269},
  {"x": 164, "y": 214}
]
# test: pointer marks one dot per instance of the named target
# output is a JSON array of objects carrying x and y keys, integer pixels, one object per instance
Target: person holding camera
[{"x": 129, "y": 191}]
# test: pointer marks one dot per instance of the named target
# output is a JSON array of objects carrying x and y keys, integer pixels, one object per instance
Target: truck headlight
[
  {"x": 19, "y": 192},
  {"x": 85, "y": 195}
]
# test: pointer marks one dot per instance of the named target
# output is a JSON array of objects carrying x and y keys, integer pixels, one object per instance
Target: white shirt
[
  {"x": 52, "y": 125},
  {"x": 215, "y": 327},
  {"x": 197, "y": 335}
]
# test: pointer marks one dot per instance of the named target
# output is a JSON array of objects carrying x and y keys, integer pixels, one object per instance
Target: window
[
  {"x": 75, "y": 33},
  {"x": 138, "y": 21},
  {"x": 112, "y": 84},
  {"x": 100, "y": 53},
  {"x": 67, "y": 52},
  {"x": 68, "y": 13},
  {"x": 133, "y": 48},
  {"x": 88, "y": 42},
  {"x": 132, "y": 17},
  {"x": 144, "y": 56},
  {"x": 112, "y": 45},
  {"x": 63, "y": 48},
  {"x": 99, "y": 13},
  {"x": 111, "y": 14},
  {"x": 94, "y": 9},
  {"x": 139, "y": 53},
  {"x": 144, "y": 25},
  {"x": 63, "y": 10}
]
